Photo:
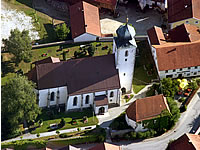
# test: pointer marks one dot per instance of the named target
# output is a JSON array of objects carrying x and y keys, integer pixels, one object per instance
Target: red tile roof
[
  {"x": 147, "y": 108},
  {"x": 183, "y": 9},
  {"x": 101, "y": 100},
  {"x": 84, "y": 18},
  {"x": 156, "y": 36},
  {"x": 85, "y": 75},
  {"x": 178, "y": 55},
  {"x": 105, "y": 146},
  {"x": 186, "y": 142},
  {"x": 184, "y": 33}
]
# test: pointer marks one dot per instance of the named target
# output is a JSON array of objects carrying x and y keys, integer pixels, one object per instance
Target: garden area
[
  {"x": 9, "y": 68},
  {"x": 51, "y": 119},
  {"x": 144, "y": 70}
]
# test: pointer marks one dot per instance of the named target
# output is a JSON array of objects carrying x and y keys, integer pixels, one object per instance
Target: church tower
[{"x": 124, "y": 48}]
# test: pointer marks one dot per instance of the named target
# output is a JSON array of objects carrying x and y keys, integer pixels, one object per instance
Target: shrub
[
  {"x": 64, "y": 56},
  {"x": 140, "y": 135},
  {"x": 183, "y": 108},
  {"x": 57, "y": 132},
  {"x": 62, "y": 123},
  {"x": 127, "y": 136},
  {"x": 62, "y": 31},
  {"x": 181, "y": 100},
  {"x": 126, "y": 97},
  {"x": 64, "y": 135},
  {"x": 78, "y": 129},
  {"x": 38, "y": 135},
  {"x": 133, "y": 135},
  {"x": 91, "y": 50}
]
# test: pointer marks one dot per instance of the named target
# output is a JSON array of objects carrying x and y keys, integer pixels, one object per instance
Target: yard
[
  {"x": 144, "y": 70},
  {"x": 8, "y": 67},
  {"x": 51, "y": 118}
]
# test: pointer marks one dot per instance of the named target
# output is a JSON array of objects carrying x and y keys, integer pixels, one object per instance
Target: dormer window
[
  {"x": 126, "y": 53},
  {"x": 52, "y": 96}
]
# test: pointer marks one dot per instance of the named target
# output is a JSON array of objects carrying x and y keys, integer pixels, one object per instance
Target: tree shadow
[{"x": 7, "y": 67}]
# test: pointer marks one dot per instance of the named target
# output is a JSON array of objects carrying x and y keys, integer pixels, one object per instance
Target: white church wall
[
  {"x": 98, "y": 107},
  {"x": 100, "y": 93},
  {"x": 70, "y": 102},
  {"x": 85, "y": 37},
  {"x": 113, "y": 99},
  {"x": 43, "y": 95},
  {"x": 91, "y": 99},
  {"x": 130, "y": 122}
]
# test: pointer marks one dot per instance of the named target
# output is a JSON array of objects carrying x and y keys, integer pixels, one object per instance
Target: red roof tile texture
[
  {"x": 101, "y": 100},
  {"x": 147, "y": 108},
  {"x": 105, "y": 146},
  {"x": 84, "y": 18},
  {"x": 176, "y": 56},
  {"x": 156, "y": 36},
  {"x": 186, "y": 142},
  {"x": 47, "y": 60},
  {"x": 85, "y": 75},
  {"x": 183, "y": 9}
]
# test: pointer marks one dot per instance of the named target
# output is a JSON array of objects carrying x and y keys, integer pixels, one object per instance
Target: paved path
[
  {"x": 104, "y": 122},
  {"x": 34, "y": 136},
  {"x": 188, "y": 119}
]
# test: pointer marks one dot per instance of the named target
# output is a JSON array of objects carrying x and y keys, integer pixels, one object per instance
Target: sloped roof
[
  {"x": 186, "y": 142},
  {"x": 101, "y": 100},
  {"x": 147, "y": 108},
  {"x": 83, "y": 75},
  {"x": 105, "y": 146},
  {"x": 183, "y": 9},
  {"x": 84, "y": 18},
  {"x": 47, "y": 60},
  {"x": 184, "y": 33},
  {"x": 178, "y": 55},
  {"x": 156, "y": 36}
]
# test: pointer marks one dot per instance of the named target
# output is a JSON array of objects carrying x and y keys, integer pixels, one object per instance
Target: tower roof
[{"x": 125, "y": 36}]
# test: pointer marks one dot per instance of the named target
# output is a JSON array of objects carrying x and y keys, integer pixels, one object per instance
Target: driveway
[{"x": 141, "y": 21}]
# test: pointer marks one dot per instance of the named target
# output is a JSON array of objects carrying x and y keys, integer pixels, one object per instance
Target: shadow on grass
[{"x": 7, "y": 67}]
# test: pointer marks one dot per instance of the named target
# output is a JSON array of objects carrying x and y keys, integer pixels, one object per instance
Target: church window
[
  {"x": 126, "y": 53},
  {"x": 52, "y": 96},
  {"x": 112, "y": 94},
  {"x": 87, "y": 99},
  {"x": 75, "y": 101}
]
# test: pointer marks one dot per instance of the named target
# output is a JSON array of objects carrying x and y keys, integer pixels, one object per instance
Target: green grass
[
  {"x": 140, "y": 77},
  {"x": 24, "y": 144},
  {"x": 128, "y": 99},
  {"x": 51, "y": 51},
  {"x": 47, "y": 120}
]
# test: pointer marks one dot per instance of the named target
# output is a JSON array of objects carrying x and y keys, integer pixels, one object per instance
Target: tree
[
  {"x": 169, "y": 87},
  {"x": 19, "y": 44},
  {"x": 91, "y": 50},
  {"x": 62, "y": 31},
  {"x": 18, "y": 104}
]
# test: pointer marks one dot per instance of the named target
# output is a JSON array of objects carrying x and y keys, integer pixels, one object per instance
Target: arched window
[
  {"x": 52, "y": 96},
  {"x": 87, "y": 99},
  {"x": 126, "y": 53},
  {"x": 112, "y": 94},
  {"x": 75, "y": 101}
]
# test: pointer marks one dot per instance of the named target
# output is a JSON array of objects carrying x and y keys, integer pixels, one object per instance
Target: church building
[{"x": 96, "y": 82}]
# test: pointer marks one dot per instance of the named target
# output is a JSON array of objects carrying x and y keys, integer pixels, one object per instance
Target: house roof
[
  {"x": 184, "y": 33},
  {"x": 147, "y": 108},
  {"x": 47, "y": 60},
  {"x": 183, "y": 9},
  {"x": 178, "y": 55},
  {"x": 186, "y": 142},
  {"x": 84, "y": 18},
  {"x": 85, "y": 75},
  {"x": 105, "y": 146},
  {"x": 156, "y": 36},
  {"x": 101, "y": 100}
]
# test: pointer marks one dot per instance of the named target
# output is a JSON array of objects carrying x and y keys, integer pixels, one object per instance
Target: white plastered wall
[{"x": 85, "y": 37}]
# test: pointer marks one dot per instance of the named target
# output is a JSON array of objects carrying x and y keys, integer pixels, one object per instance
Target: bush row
[{"x": 139, "y": 135}]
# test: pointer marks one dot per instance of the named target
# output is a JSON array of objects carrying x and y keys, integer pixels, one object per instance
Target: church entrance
[
  {"x": 123, "y": 90},
  {"x": 101, "y": 110}
]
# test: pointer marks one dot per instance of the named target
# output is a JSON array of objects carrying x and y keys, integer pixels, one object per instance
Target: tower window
[
  {"x": 112, "y": 94},
  {"x": 124, "y": 74},
  {"x": 87, "y": 99},
  {"x": 126, "y": 53},
  {"x": 125, "y": 59},
  {"x": 75, "y": 101},
  {"x": 52, "y": 96}
]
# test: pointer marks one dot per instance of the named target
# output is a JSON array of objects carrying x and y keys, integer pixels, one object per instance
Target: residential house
[
  {"x": 183, "y": 11},
  {"x": 105, "y": 146},
  {"x": 161, "y": 4},
  {"x": 143, "y": 110},
  {"x": 91, "y": 81},
  {"x": 176, "y": 54},
  {"x": 186, "y": 142},
  {"x": 85, "y": 22}
]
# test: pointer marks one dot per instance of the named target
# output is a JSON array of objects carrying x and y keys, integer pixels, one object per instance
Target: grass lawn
[
  {"x": 9, "y": 68},
  {"x": 42, "y": 22},
  {"x": 56, "y": 118},
  {"x": 140, "y": 77}
]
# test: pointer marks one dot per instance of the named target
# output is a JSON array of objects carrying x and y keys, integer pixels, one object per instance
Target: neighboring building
[
  {"x": 176, "y": 55},
  {"x": 183, "y": 11},
  {"x": 47, "y": 60},
  {"x": 91, "y": 81},
  {"x": 108, "y": 4},
  {"x": 85, "y": 22},
  {"x": 186, "y": 142},
  {"x": 105, "y": 146},
  {"x": 145, "y": 109},
  {"x": 161, "y": 4}
]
